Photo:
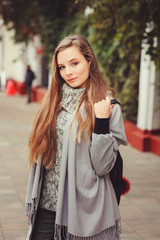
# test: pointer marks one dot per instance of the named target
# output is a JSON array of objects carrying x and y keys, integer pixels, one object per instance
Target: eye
[
  {"x": 61, "y": 67},
  {"x": 74, "y": 63}
]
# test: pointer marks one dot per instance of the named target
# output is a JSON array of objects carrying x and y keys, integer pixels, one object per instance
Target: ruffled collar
[{"x": 70, "y": 97}]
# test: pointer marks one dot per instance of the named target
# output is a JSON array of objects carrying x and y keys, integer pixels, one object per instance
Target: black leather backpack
[{"x": 120, "y": 184}]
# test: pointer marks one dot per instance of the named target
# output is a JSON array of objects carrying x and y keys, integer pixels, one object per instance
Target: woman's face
[{"x": 73, "y": 67}]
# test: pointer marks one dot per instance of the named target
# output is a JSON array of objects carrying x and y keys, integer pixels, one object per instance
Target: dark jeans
[
  {"x": 44, "y": 225},
  {"x": 29, "y": 89}
]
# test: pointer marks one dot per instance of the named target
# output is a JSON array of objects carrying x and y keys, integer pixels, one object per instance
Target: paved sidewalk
[{"x": 140, "y": 209}]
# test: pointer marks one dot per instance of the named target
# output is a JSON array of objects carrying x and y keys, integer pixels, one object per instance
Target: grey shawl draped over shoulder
[{"x": 87, "y": 207}]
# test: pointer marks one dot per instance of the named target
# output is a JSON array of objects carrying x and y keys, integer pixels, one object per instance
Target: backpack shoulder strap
[{"x": 114, "y": 101}]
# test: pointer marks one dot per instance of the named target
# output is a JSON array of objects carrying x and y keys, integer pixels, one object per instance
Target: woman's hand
[{"x": 103, "y": 108}]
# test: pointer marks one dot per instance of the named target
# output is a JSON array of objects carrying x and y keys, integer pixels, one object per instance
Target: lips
[{"x": 71, "y": 79}]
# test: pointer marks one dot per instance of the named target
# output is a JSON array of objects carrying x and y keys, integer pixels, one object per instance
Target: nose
[{"x": 68, "y": 71}]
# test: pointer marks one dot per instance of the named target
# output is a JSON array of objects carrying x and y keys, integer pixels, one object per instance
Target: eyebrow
[{"x": 69, "y": 61}]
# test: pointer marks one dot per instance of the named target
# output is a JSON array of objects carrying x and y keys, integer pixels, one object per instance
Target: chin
[
  {"x": 77, "y": 85},
  {"x": 73, "y": 85}
]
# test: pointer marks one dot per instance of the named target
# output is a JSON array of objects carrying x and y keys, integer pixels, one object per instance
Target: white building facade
[{"x": 14, "y": 58}]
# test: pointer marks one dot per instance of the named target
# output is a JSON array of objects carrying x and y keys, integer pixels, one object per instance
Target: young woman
[{"x": 73, "y": 147}]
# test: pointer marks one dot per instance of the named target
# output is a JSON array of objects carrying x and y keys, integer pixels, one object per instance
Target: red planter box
[
  {"x": 38, "y": 93},
  {"x": 142, "y": 140},
  {"x": 21, "y": 88}
]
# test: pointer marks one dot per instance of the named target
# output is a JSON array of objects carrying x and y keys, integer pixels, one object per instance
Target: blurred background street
[{"x": 140, "y": 208}]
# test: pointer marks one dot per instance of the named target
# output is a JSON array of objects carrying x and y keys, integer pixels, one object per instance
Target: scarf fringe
[
  {"x": 30, "y": 210},
  {"x": 112, "y": 233}
]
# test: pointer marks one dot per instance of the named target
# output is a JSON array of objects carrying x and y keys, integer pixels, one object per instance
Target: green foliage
[
  {"x": 115, "y": 29},
  {"x": 48, "y": 19}
]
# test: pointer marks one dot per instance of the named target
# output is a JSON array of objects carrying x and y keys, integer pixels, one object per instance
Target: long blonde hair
[{"x": 45, "y": 121}]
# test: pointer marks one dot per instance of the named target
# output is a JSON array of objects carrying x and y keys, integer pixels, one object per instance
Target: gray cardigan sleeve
[{"x": 104, "y": 147}]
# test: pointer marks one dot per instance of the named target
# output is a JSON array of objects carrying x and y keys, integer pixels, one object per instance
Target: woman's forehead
[{"x": 68, "y": 54}]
